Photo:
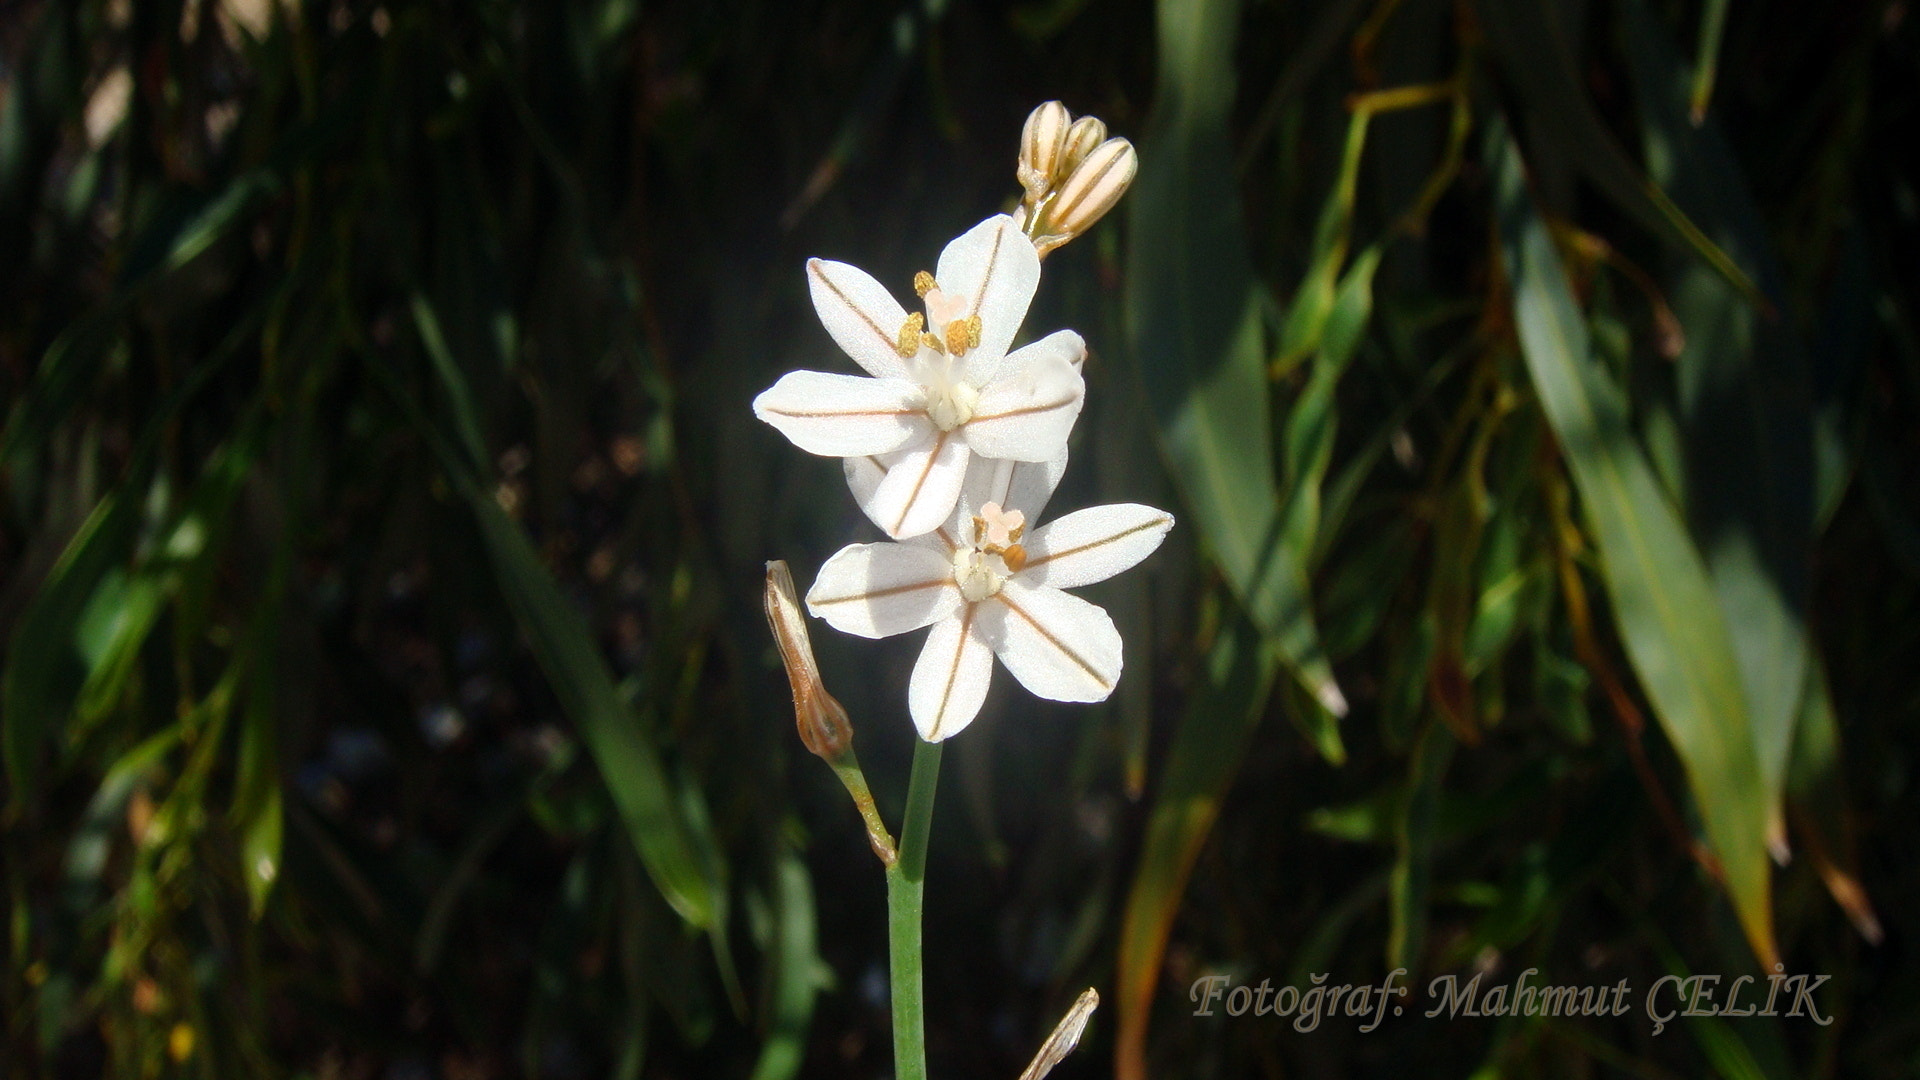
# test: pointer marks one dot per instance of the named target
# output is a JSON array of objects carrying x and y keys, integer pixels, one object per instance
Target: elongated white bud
[
  {"x": 1095, "y": 186},
  {"x": 1041, "y": 144},
  {"x": 1085, "y": 134}
]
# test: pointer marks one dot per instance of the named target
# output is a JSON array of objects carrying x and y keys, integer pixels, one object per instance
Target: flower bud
[
  {"x": 1085, "y": 134},
  {"x": 1096, "y": 185},
  {"x": 1041, "y": 144},
  {"x": 822, "y": 721}
]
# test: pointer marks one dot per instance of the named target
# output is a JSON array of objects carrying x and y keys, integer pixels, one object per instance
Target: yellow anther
[
  {"x": 922, "y": 284},
  {"x": 957, "y": 337},
  {"x": 908, "y": 343},
  {"x": 932, "y": 342},
  {"x": 973, "y": 331},
  {"x": 1015, "y": 557}
]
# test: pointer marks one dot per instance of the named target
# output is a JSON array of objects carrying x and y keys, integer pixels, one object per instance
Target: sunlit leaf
[
  {"x": 1669, "y": 618},
  {"x": 1746, "y": 413}
]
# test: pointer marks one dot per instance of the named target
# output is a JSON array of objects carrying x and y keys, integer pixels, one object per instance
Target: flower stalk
[{"x": 906, "y": 888}]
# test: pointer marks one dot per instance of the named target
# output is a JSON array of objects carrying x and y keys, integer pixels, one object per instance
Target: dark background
[{"x": 382, "y": 519}]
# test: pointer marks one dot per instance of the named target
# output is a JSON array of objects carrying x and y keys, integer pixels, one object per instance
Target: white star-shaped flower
[
  {"x": 988, "y": 587},
  {"x": 944, "y": 388}
]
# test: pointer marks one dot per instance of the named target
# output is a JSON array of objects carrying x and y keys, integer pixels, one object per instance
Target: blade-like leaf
[
  {"x": 1414, "y": 833},
  {"x": 797, "y": 973},
  {"x": 1533, "y": 49},
  {"x": 621, "y": 746},
  {"x": 46, "y": 660},
  {"x": 1668, "y": 615},
  {"x": 1194, "y": 318},
  {"x": 1745, "y": 411},
  {"x": 1816, "y": 791}
]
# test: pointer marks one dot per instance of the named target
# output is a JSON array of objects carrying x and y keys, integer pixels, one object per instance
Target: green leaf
[
  {"x": 257, "y": 791},
  {"x": 47, "y": 661},
  {"x": 622, "y": 747},
  {"x": 1194, "y": 320},
  {"x": 1816, "y": 792},
  {"x": 465, "y": 418},
  {"x": 796, "y": 972},
  {"x": 1668, "y": 615},
  {"x": 1746, "y": 412},
  {"x": 1712, "y": 25},
  {"x": 1414, "y": 833},
  {"x": 1534, "y": 51}
]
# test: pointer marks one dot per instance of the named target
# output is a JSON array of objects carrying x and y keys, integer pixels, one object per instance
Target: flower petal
[
  {"x": 1016, "y": 485},
  {"x": 1027, "y": 412},
  {"x": 983, "y": 369},
  {"x": 845, "y": 415},
  {"x": 879, "y": 590},
  {"x": 996, "y": 268},
  {"x": 861, "y": 314},
  {"x": 919, "y": 491},
  {"x": 864, "y": 476},
  {"x": 1093, "y": 544},
  {"x": 1059, "y": 646},
  {"x": 950, "y": 678}
]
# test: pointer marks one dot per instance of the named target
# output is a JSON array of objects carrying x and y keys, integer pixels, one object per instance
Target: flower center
[
  {"x": 951, "y": 404},
  {"x": 997, "y": 532},
  {"x": 978, "y": 573},
  {"x": 953, "y": 330}
]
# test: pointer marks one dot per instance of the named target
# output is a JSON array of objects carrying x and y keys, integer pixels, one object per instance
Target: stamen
[
  {"x": 933, "y": 343},
  {"x": 998, "y": 530},
  {"x": 1015, "y": 557},
  {"x": 922, "y": 284},
  {"x": 908, "y": 343},
  {"x": 973, "y": 331},
  {"x": 957, "y": 337}
]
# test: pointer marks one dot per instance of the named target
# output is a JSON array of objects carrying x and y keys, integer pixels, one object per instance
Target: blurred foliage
[{"x": 385, "y": 689}]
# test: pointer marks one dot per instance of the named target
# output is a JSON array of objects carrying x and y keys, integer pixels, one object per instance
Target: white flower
[
  {"x": 988, "y": 587},
  {"x": 943, "y": 387}
]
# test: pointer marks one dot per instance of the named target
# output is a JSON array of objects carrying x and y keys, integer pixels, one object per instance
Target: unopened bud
[
  {"x": 1095, "y": 186},
  {"x": 823, "y": 723},
  {"x": 1041, "y": 144},
  {"x": 1085, "y": 134}
]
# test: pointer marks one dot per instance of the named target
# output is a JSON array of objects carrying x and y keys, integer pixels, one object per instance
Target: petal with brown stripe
[
  {"x": 1059, "y": 646},
  {"x": 879, "y": 590},
  {"x": 860, "y": 314},
  {"x": 1093, "y": 544},
  {"x": 845, "y": 415},
  {"x": 919, "y": 491},
  {"x": 1027, "y": 412},
  {"x": 950, "y": 679},
  {"x": 1025, "y": 486},
  {"x": 994, "y": 266}
]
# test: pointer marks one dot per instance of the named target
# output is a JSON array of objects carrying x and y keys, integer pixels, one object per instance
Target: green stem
[{"x": 906, "y": 881}]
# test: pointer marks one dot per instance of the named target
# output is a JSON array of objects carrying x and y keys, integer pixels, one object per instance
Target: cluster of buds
[{"x": 1072, "y": 174}]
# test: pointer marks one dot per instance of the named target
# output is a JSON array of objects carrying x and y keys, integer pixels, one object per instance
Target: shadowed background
[{"x": 385, "y": 690}]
